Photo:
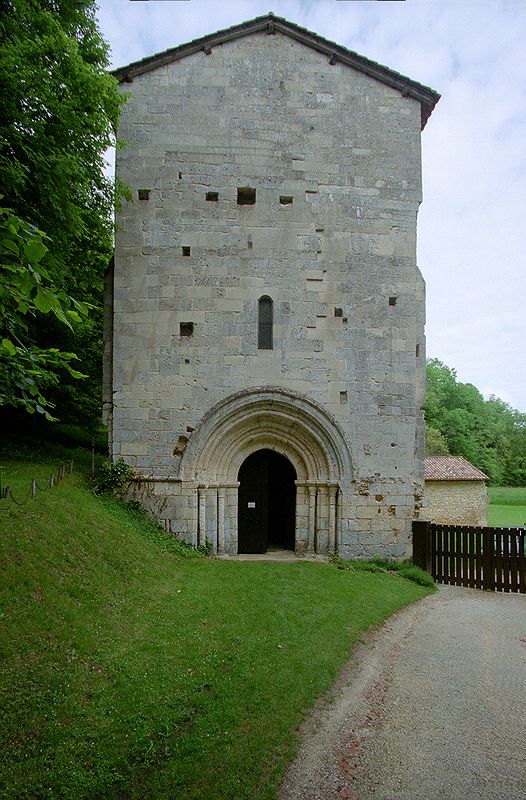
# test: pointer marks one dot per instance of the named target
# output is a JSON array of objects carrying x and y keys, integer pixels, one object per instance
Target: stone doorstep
[{"x": 286, "y": 556}]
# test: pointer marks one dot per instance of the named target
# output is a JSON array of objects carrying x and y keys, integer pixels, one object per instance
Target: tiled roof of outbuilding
[
  {"x": 269, "y": 23},
  {"x": 451, "y": 468}
]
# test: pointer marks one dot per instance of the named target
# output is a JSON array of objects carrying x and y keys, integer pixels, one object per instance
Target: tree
[
  {"x": 58, "y": 117},
  {"x": 436, "y": 444},
  {"x": 489, "y": 433},
  {"x": 26, "y": 291}
]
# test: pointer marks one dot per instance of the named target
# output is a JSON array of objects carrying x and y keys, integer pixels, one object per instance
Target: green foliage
[
  {"x": 74, "y": 435},
  {"x": 415, "y": 574},
  {"x": 489, "y": 433},
  {"x": 26, "y": 293},
  {"x": 436, "y": 444},
  {"x": 378, "y": 564},
  {"x": 113, "y": 477},
  {"x": 18, "y": 448},
  {"x": 59, "y": 114},
  {"x": 131, "y": 672}
]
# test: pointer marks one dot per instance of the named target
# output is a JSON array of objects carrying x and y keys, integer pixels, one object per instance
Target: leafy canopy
[
  {"x": 27, "y": 292},
  {"x": 59, "y": 112},
  {"x": 58, "y": 117}
]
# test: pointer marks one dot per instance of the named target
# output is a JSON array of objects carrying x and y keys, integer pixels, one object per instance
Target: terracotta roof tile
[{"x": 451, "y": 468}]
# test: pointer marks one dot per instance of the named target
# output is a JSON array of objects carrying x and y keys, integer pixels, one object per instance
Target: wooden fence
[
  {"x": 7, "y": 494},
  {"x": 483, "y": 558}
]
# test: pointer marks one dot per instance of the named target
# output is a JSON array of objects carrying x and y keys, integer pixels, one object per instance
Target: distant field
[{"x": 507, "y": 506}]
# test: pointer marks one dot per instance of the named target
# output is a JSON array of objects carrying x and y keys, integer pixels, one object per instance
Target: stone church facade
[{"x": 265, "y": 357}]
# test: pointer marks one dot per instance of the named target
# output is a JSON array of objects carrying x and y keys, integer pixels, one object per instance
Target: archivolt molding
[{"x": 269, "y": 417}]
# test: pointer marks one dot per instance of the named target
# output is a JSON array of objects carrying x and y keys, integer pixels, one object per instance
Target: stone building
[
  {"x": 456, "y": 492},
  {"x": 265, "y": 373}
]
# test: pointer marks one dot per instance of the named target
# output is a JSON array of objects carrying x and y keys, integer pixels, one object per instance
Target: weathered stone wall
[
  {"x": 456, "y": 502},
  {"x": 339, "y": 263}
]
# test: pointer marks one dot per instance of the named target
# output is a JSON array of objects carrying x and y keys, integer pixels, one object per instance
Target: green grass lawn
[
  {"x": 507, "y": 506},
  {"x": 131, "y": 671}
]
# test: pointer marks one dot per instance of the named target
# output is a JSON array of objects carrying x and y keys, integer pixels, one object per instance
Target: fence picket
[
  {"x": 438, "y": 555},
  {"x": 498, "y": 545},
  {"x": 465, "y": 550},
  {"x": 521, "y": 567},
  {"x": 471, "y": 557},
  {"x": 458, "y": 558},
  {"x": 514, "y": 564}
]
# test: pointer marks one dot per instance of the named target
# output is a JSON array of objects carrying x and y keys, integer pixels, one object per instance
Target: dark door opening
[{"x": 266, "y": 503}]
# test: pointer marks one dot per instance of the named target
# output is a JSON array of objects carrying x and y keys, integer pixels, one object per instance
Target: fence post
[
  {"x": 33, "y": 489},
  {"x": 52, "y": 479},
  {"x": 421, "y": 545}
]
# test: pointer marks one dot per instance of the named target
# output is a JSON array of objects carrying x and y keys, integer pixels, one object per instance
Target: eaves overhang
[{"x": 271, "y": 24}]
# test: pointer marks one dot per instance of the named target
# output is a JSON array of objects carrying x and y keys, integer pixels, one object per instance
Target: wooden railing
[{"x": 483, "y": 558}]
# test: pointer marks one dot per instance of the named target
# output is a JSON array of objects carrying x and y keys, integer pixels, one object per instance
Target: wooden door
[{"x": 266, "y": 503}]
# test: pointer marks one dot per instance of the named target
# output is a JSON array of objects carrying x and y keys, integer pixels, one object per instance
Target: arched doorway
[
  {"x": 273, "y": 419},
  {"x": 266, "y": 503}
]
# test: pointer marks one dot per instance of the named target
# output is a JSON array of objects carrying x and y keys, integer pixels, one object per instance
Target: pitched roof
[
  {"x": 451, "y": 468},
  {"x": 269, "y": 23}
]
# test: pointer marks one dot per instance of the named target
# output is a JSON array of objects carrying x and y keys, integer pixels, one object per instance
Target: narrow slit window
[
  {"x": 212, "y": 197},
  {"x": 285, "y": 200},
  {"x": 265, "y": 323},
  {"x": 186, "y": 251}
]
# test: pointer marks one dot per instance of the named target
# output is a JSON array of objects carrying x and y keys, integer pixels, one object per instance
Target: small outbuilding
[{"x": 456, "y": 491}]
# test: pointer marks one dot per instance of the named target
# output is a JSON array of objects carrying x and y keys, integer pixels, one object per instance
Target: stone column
[
  {"x": 322, "y": 519},
  {"x": 331, "y": 544},
  {"x": 311, "y": 540},
  {"x": 201, "y": 516},
  {"x": 221, "y": 520},
  {"x": 301, "y": 524},
  {"x": 211, "y": 518},
  {"x": 231, "y": 518},
  {"x": 193, "y": 515}
]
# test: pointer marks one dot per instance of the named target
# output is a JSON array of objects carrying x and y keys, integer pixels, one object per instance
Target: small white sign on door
[{"x": 251, "y": 505}]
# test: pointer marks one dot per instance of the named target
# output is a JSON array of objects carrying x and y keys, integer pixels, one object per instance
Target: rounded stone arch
[{"x": 269, "y": 417}]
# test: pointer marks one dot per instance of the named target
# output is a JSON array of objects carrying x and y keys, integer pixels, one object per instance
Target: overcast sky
[{"x": 472, "y": 223}]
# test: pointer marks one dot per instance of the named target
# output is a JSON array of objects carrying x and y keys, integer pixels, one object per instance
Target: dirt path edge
[{"x": 330, "y": 759}]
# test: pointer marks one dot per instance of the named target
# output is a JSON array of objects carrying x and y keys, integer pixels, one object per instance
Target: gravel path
[{"x": 432, "y": 705}]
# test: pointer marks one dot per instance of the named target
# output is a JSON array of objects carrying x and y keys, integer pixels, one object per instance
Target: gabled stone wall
[{"x": 333, "y": 159}]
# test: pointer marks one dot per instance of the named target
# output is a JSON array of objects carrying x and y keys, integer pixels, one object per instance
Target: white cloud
[{"x": 471, "y": 223}]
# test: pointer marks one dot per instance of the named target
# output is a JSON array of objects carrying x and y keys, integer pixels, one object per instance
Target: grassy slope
[
  {"x": 131, "y": 672},
  {"x": 507, "y": 506}
]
